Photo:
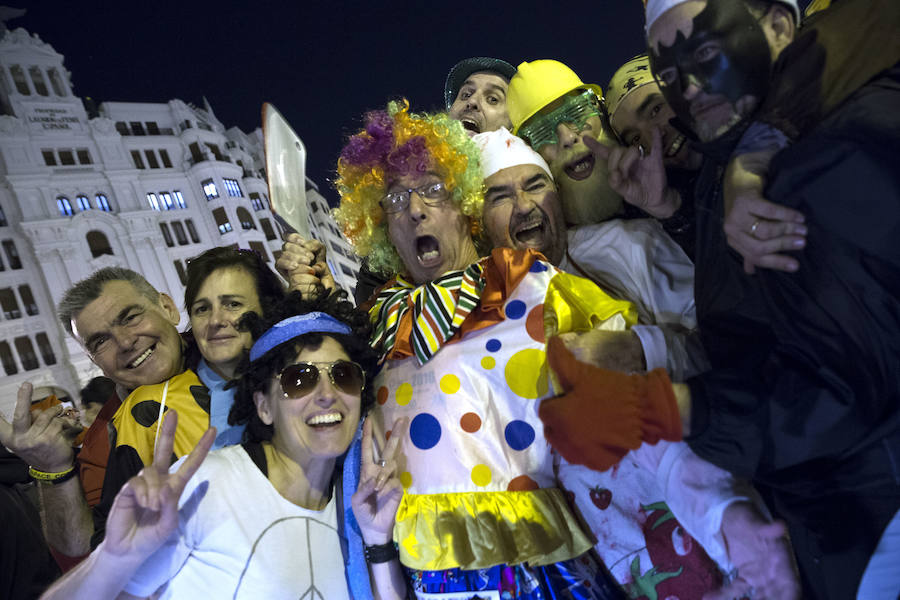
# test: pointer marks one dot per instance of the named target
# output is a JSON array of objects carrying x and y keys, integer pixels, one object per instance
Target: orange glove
[{"x": 604, "y": 414}]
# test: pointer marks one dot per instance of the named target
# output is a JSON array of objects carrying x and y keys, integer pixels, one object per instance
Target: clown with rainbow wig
[{"x": 464, "y": 344}]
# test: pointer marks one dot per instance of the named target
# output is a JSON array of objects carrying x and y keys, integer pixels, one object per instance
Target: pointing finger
[
  {"x": 22, "y": 415},
  {"x": 162, "y": 452}
]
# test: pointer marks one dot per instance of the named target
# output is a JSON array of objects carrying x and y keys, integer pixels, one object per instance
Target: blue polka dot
[
  {"x": 492, "y": 345},
  {"x": 538, "y": 267},
  {"x": 425, "y": 431},
  {"x": 519, "y": 435},
  {"x": 515, "y": 309}
]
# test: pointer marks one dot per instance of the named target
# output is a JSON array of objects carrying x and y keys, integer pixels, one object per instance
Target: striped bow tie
[{"x": 439, "y": 308}]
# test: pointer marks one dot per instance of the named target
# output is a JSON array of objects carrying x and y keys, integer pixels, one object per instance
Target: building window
[
  {"x": 138, "y": 161},
  {"x": 164, "y": 157},
  {"x": 37, "y": 78},
  {"x": 179, "y": 199},
  {"x": 347, "y": 270},
  {"x": 84, "y": 157},
  {"x": 137, "y": 128},
  {"x": 12, "y": 255},
  {"x": 181, "y": 274},
  {"x": 214, "y": 148},
  {"x": 260, "y": 249},
  {"x": 83, "y": 203},
  {"x": 167, "y": 235},
  {"x": 45, "y": 348},
  {"x": 6, "y": 357},
  {"x": 102, "y": 203},
  {"x": 49, "y": 158},
  {"x": 25, "y": 350},
  {"x": 152, "y": 201},
  {"x": 196, "y": 154},
  {"x": 314, "y": 206},
  {"x": 222, "y": 221},
  {"x": 3, "y": 221},
  {"x": 255, "y": 201},
  {"x": 152, "y": 128},
  {"x": 98, "y": 243},
  {"x": 244, "y": 217},
  {"x": 66, "y": 157},
  {"x": 178, "y": 228},
  {"x": 151, "y": 159},
  {"x": 18, "y": 76},
  {"x": 58, "y": 88},
  {"x": 9, "y": 304},
  {"x": 65, "y": 207},
  {"x": 166, "y": 200},
  {"x": 192, "y": 231},
  {"x": 122, "y": 128},
  {"x": 267, "y": 229},
  {"x": 210, "y": 189},
  {"x": 233, "y": 188},
  {"x": 28, "y": 300}
]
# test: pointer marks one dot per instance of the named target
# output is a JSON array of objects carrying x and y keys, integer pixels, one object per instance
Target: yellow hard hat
[{"x": 538, "y": 83}]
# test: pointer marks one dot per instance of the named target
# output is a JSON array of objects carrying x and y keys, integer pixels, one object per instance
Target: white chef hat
[{"x": 500, "y": 150}]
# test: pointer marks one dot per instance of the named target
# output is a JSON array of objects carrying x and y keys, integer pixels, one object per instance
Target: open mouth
[
  {"x": 470, "y": 125},
  {"x": 428, "y": 251},
  {"x": 675, "y": 146},
  {"x": 324, "y": 421},
  {"x": 142, "y": 358},
  {"x": 580, "y": 168},
  {"x": 530, "y": 234}
]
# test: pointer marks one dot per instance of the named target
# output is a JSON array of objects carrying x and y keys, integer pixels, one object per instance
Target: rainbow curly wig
[{"x": 395, "y": 143}]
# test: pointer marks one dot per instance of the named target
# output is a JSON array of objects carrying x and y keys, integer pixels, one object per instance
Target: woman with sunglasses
[{"x": 263, "y": 519}]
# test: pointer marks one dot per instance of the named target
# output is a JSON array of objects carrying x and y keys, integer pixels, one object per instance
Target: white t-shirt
[
  {"x": 636, "y": 260},
  {"x": 237, "y": 537}
]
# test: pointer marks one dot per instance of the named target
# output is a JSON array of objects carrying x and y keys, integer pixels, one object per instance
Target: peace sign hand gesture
[
  {"x": 145, "y": 511},
  {"x": 378, "y": 496}
]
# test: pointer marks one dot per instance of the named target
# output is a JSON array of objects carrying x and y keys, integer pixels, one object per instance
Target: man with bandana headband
[{"x": 804, "y": 391}]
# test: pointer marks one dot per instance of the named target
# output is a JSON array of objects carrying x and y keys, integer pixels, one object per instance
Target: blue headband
[{"x": 292, "y": 327}]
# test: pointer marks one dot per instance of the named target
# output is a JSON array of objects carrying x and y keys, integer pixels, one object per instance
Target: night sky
[{"x": 322, "y": 64}]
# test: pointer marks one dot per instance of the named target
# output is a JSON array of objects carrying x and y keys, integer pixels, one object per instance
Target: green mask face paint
[{"x": 574, "y": 112}]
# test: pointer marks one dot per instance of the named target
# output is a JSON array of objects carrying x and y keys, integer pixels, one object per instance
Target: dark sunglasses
[{"x": 300, "y": 379}]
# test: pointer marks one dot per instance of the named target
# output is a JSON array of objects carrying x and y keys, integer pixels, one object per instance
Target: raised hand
[
  {"x": 145, "y": 511},
  {"x": 757, "y": 229},
  {"x": 378, "y": 496},
  {"x": 760, "y": 552},
  {"x": 40, "y": 442},
  {"x": 640, "y": 179},
  {"x": 302, "y": 263}
]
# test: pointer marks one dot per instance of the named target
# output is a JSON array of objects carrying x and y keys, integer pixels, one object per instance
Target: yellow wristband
[{"x": 45, "y": 476}]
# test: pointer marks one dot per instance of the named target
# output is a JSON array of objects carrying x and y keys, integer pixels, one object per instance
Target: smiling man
[
  {"x": 475, "y": 93},
  {"x": 554, "y": 111}
]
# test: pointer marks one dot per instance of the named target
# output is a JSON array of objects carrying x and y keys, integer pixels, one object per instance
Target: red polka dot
[
  {"x": 534, "y": 323},
  {"x": 522, "y": 483},
  {"x": 387, "y": 434},
  {"x": 382, "y": 395},
  {"x": 470, "y": 422}
]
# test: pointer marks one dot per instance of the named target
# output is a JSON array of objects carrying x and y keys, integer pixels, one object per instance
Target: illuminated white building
[{"x": 141, "y": 185}]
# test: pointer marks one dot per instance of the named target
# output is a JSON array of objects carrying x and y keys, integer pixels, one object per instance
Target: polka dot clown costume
[{"x": 465, "y": 361}]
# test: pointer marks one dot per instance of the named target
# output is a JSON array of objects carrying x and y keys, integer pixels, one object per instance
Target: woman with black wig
[{"x": 262, "y": 519}]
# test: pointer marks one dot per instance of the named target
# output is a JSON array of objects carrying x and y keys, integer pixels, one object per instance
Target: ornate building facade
[{"x": 146, "y": 186}]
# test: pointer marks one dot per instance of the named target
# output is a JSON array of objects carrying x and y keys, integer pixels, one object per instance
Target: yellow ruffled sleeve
[{"x": 574, "y": 303}]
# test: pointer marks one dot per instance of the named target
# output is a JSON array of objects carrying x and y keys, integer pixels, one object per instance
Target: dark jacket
[{"x": 805, "y": 387}]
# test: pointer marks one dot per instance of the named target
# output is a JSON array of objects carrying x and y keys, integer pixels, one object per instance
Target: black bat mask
[{"x": 736, "y": 64}]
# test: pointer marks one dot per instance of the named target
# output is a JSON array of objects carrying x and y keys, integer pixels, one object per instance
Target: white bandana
[{"x": 500, "y": 150}]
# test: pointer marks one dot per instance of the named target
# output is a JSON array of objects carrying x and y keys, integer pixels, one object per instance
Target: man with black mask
[{"x": 805, "y": 388}]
